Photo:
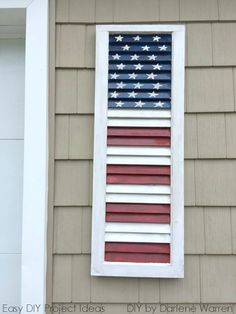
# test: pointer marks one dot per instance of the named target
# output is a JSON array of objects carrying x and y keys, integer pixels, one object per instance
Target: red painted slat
[
  {"x": 131, "y": 247},
  {"x": 136, "y": 169},
  {"x": 137, "y": 257},
  {"x": 137, "y": 208},
  {"x": 148, "y": 218},
  {"x": 137, "y": 179},
  {"x": 139, "y": 132},
  {"x": 138, "y": 141}
]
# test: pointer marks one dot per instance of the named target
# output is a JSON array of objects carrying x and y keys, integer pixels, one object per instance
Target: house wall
[{"x": 210, "y": 153}]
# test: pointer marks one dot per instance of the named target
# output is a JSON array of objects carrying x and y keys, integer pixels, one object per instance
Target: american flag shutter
[{"x": 133, "y": 200}]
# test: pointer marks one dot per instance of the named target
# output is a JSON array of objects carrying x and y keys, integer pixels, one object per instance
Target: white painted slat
[
  {"x": 137, "y": 237},
  {"x": 138, "y": 151},
  {"x": 139, "y": 114},
  {"x": 138, "y": 198},
  {"x": 139, "y": 122},
  {"x": 137, "y": 188},
  {"x": 138, "y": 160},
  {"x": 125, "y": 227}
]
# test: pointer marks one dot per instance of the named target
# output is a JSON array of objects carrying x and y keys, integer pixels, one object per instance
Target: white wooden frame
[
  {"x": 176, "y": 268},
  {"x": 35, "y": 185}
]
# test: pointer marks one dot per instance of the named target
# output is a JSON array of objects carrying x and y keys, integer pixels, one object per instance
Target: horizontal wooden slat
[
  {"x": 137, "y": 179},
  {"x": 138, "y": 160},
  {"x": 136, "y": 227},
  {"x": 138, "y": 208},
  {"x": 139, "y": 122},
  {"x": 137, "y": 257},
  {"x": 137, "y": 237},
  {"x": 146, "y": 218},
  {"x": 138, "y": 198},
  {"x": 138, "y": 151},
  {"x": 112, "y": 113},
  {"x": 130, "y": 169},
  {"x": 138, "y": 141},
  {"x": 137, "y": 247},
  {"x": 135, "y": 189},
  {"x": 138, "y": 132}
]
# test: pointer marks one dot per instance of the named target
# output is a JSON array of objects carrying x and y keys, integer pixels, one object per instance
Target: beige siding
[
  {"x": 200, "y": 10},
  {"x": 209, "y": 90},
  {"x": 210, "y": 153},
  {"x": 183, "y": 290},
  {"x": 215, "y": 182},
  {"x": 134, "y": 11},
  {"x": 199, "y": 44},
  {"x": 218, "y": 277},
  {"x": 194, "y": 230}
]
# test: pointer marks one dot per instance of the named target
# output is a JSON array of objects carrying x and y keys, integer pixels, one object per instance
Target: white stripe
[
  {"x": 138, "y": 151},
  {"x": 137, "y": 237},
  {"x": 138, "y": 160},
  {"x": 138, "y": 189},
  {"x": 139, "y": 114},
  {"x": 138, "y": 198},
  {"x": 136, "y": 227},
  {"x": 139, "y": 122}
]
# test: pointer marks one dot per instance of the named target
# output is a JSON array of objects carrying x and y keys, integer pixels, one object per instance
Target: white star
[
  {"x": 119, "y": 104},
  {"x": 145, "y": 48},
  {"x": 151, "y": 76},
  {"x": 139, "y": 104},
  {"x": 120, "y": 85},
  {"x": 156, "y": 38},
  {"x": 114, "y": 76},
  {"x": 137, "y": 38},
  {"x": 119, "y": 38},
  {"x": 153, "y": 94},
  {"x": 120, "y": 66},
  {"x": 134, "y": 57},
  {"x": 138, "y": 66},
  {"x": 114, "y": 94},
  {"x": 157, "y": 85},
  {"x": 162, "y": 48},
  {"x": 126, "y": 47},
  {"x": 133, "y": 76},
  {"x": 157, "y": 66},
  {"x": 116, "y": 57},
  {"x": 159, "y": 104},
  {"x": 138, "y": 85},
  {"x": 132, "y": 94},
  {"x": 152, "y": 57}
]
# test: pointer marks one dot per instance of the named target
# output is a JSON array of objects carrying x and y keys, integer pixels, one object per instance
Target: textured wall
[{"x": 210, "y": 152}]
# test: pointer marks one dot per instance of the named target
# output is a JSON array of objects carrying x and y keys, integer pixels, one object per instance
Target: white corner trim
[
  {"x": 98, "y": 266},
  {"x": 15, "y": 4},
  {"x": 35, "y": 185}
]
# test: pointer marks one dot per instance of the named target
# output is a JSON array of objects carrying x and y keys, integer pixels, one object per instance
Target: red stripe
[
  {"x": 139, "y": 141},
  {"x": 137, "y": 257},
  {"x": 139, "y": 132},
  {"x": 137, "y": 208},
  {"x": 127, "y": 169},
  {"x": 136, "y": 179},
  {"x": 150, "y": 218},
  {"x": 131, "y": 247}
]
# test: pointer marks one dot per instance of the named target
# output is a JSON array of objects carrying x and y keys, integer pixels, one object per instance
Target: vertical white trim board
[{"x": 35, "y": 182}]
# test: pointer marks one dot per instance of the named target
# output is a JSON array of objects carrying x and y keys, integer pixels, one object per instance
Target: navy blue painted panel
[
  {"x": 160, "y": 86},
  {"x": 139, "y": 104},
  {"x": 139, "y": 66},
  {"x": 144, "y": 38},
  {"x": 139, "y": 71},
  {"x": 149, "y": 58},
  {"x": 137, "y": 95},
  {"x": 135, "y": 76}
]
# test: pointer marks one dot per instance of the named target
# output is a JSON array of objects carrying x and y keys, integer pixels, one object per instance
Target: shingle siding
[{"x": 210, "y": 153}]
